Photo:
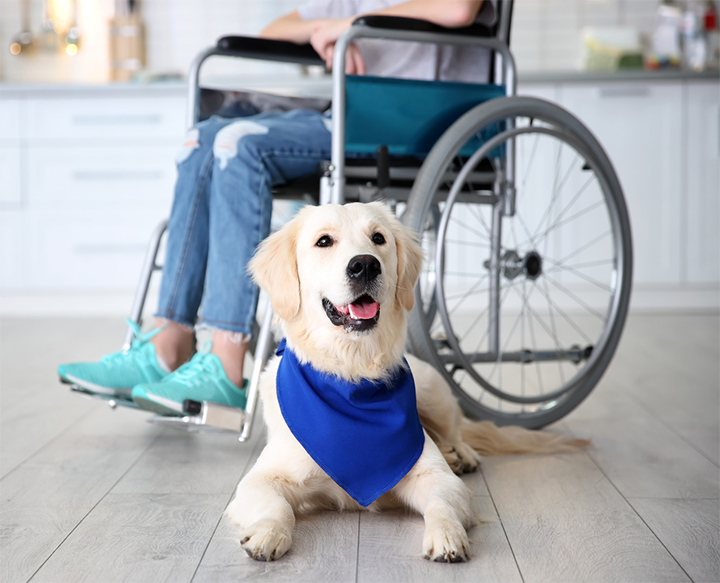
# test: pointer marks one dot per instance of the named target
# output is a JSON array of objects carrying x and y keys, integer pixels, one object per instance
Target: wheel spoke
[
  {"x": 556, "y": 194},
  {"x": 577, "y": 299},
  {"x": 469, "y": 229},
  {"x": 586, "y": 246},
  {"x": 558, "y": 345},
  {"x": 566, "y": 209},
  {"x": 566, "y": 318},
  {"x": 587, "y": 278}
]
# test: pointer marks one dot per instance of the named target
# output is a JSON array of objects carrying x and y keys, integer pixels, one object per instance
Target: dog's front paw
[
  {"x": 266, "y": 540},
  {"x": 469, "y": 457},
  {"x": 446, "y": 544},
  {"x": 461, "y": 458}
]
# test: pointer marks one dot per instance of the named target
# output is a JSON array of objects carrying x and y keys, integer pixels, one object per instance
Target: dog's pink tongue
[{"x": 361, "y": 311}]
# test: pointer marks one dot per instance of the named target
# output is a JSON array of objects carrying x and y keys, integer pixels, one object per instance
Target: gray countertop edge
[
  {"x": 533, "y": 78},
  {"x": 630, "y": 75}
]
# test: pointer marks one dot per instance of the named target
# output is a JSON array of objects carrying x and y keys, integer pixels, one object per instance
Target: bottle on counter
[
  {"x": 694, "y": 52},
  {"x": 712, "y": 36},
  {"x": 665, "y": 42}
]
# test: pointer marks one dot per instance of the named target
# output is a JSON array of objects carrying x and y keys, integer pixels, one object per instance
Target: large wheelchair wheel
[{"x": 532, "y": 261}]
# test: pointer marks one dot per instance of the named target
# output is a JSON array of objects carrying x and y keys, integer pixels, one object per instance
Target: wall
[
  {"x": 546, "y": 33},
  {"x": 176, "y": 31}
]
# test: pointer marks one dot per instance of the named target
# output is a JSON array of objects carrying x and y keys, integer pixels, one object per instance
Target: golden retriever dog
[{"x": 340, "y": 280}]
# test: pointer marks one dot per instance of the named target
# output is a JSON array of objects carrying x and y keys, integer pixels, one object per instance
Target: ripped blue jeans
[{"x": 222, "y": 209}]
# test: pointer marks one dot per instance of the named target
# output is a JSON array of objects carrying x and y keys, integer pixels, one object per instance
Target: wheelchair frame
[
  {"x": 335, "y": 189},
  {"x": 208, "y": 415}
]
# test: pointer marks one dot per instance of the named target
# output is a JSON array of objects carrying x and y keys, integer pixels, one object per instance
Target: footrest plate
[{"x": 212, "y": 418}]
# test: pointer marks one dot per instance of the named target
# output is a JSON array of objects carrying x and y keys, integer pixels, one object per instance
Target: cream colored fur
[{"x": 297, "y": 274}]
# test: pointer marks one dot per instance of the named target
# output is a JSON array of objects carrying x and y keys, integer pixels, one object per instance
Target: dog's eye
[
  {"x": 324, "y": 241},
  {"x": 378, "y": 239}
]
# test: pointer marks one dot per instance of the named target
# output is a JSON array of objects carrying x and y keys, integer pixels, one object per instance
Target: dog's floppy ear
[
  {"x": 410, "y": 257},
  {"x": 274, "y": 268}
]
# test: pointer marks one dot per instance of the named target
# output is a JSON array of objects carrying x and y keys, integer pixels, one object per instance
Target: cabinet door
[
  {"x": 10, "y": 190},
  {"x": 640, "y": 128},
  {"x": 14, "y": 258},
  {"x": 703, "y": 182},
  {"x": 88, "y": 249},
  {"x": 104, "y": 120},
  {"x": 10, "y": 115},
  {"x": 86, "y": 178}
]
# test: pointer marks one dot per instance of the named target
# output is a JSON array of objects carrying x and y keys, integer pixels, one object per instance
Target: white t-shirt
[{"x": 405, "y": 60}]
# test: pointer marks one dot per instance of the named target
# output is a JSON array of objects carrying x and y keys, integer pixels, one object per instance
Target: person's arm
[
  {"x": 322, "y": 33},
  {"x": 447, "y": 13},
  {"x": 291, "y": 27}
]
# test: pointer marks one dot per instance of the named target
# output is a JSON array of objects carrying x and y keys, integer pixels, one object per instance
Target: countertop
[{"x": 321, "y": 86}]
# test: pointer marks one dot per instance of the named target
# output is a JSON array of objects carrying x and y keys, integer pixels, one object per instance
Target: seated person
[{"x": 223, "y": 203}]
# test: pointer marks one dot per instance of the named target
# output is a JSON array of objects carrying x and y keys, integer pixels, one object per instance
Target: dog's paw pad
[{"x": 265, "y": 540}]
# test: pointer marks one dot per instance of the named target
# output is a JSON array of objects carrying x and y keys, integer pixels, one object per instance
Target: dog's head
[{"x": 341, "y": 279}]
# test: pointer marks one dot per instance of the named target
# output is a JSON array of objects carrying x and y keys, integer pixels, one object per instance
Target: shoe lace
[
  {"x": 140, "y": 339},
  {"x": 197, "y": 369}
]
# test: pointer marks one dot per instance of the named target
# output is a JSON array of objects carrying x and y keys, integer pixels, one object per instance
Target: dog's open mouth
[{"x": 360, "y": 315}]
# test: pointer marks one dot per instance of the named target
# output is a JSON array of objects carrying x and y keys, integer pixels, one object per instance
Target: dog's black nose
[{"x": 363, "y": 268}]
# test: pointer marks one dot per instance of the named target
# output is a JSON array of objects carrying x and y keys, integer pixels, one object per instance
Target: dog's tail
[{"x": 486, "y": 438}]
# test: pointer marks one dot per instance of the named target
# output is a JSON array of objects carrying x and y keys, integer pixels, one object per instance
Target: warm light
[
  {"x": 15, "y": 48},
  {"x": 71, "y": 50}
]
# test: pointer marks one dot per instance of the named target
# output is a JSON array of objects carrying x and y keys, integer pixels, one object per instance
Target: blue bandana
[{"x": 366, "y": 435}]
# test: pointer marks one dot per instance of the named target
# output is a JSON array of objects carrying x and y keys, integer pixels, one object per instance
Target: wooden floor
[{"x": 88, "y": 494}]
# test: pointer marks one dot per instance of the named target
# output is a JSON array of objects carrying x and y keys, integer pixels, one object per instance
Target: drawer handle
[
  {"x": 117, "y": 175},
  {"x": 107, "y": 249},
  {"x": 624, "y": 91},
  {"x": 116, "y": 119}
]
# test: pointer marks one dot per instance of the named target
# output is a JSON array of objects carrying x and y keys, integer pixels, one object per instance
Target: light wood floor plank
[
  {"x": 324, "y": 550},
  {"x": 640, "y": 455},
  {"x": 48, "y": 412},
  {"x": 190, "y": 463},
  {"x": 391, "y": 550},
  {"x": 690, "y": 529},
  {"x": 44, "y": 499},
  {"x": 34, "y": 407},
  {"x": 137, "y": 537},
  {"x": 671, "y": 366},
  {"x": 566, "y": 522},
  {"x": 652, "y": 419}
]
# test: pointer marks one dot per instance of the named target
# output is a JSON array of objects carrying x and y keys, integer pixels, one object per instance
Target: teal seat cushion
[{"x": 407, "y": 116}]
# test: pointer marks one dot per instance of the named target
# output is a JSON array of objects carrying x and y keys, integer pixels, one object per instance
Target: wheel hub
[{"x": 513, "y": 265}]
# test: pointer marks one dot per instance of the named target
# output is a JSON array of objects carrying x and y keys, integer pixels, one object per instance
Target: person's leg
[
  {"x": 152, "y": 356},
  {"x": 250, "y": 156},
  {"x": 183, "y": 274}
]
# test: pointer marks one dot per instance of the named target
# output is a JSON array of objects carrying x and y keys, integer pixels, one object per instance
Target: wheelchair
[{"x": 528, "y": 270}]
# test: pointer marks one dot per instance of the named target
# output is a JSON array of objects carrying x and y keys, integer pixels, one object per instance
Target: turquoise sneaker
[
  {"x": 201, "y": 379},
  {"x": 117, "y": 373}
]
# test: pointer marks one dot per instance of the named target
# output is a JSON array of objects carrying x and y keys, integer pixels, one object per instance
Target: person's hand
[{"x": 323, "y": 39}]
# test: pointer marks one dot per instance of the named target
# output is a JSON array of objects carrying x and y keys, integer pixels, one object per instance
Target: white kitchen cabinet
[
  {"x": 105, "y": 120},
  {"x": 702, "y": 192},
  {"x": 10, "y": 176},
  {"x": 13, "y": 249},
  {"x": 10, "y": 153},
  {"x": 112, "y": 177},
  {"x": 86, "y": 175},
  {"x": 640, "y": 127},
  {"x": 10, "y": 113},
  {"x": 93, "y": 250}
]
